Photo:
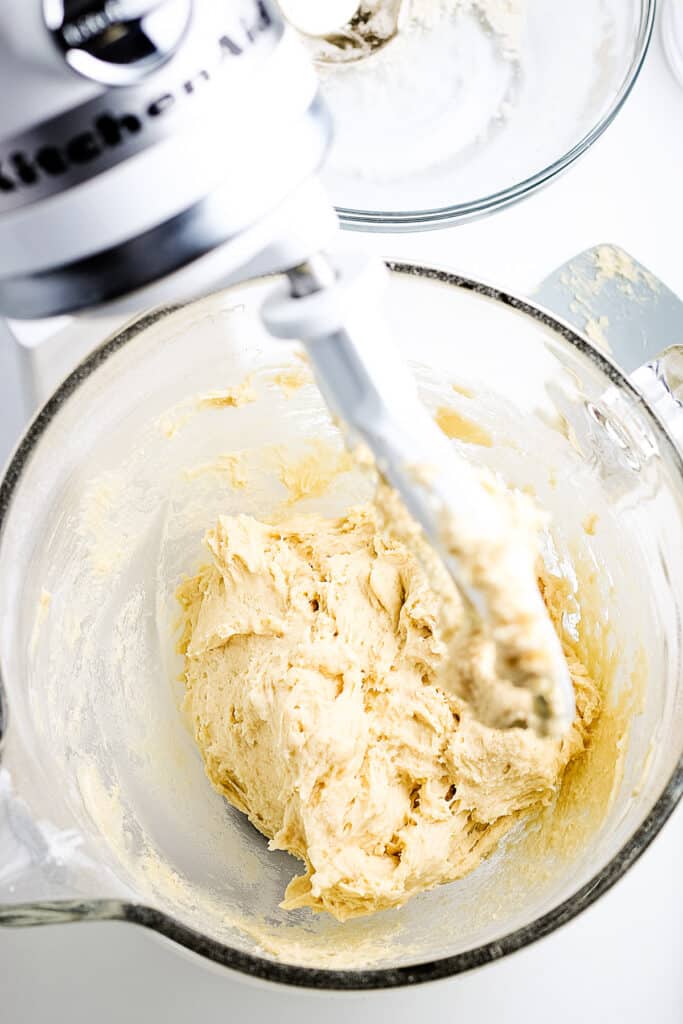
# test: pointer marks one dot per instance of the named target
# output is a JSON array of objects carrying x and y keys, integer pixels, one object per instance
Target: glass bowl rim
[
  {"x": 36, "y": 913},
  {"x": 439, "y": 217}
]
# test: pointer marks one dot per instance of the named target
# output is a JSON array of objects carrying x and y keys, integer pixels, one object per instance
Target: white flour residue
[
  {"x": 505, "y": 18},
  {"x": 408, "y": 102},
  {"x": 41, "y": 614},
  {"x": 98, "y": 522},
  {"x": 377, "y": 21}
]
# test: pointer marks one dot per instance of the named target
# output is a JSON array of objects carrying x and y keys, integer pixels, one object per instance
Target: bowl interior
[
  {"x": 109, "y": 513},
  {"x": 464, "y": 113}
]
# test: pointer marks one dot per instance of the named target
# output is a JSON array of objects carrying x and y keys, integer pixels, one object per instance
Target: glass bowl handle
[
  {"x": 50, "y": 871},
  {"x": 660, "y": 382},
  {"x": 47, "y": 874}
]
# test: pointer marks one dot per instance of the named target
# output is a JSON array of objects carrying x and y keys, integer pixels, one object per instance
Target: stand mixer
[
  {"x": 217, "y": 103},
  {"x": 70, "y": 735}
]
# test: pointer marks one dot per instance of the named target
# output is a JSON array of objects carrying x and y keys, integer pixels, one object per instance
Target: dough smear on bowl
[{"x": 321, "y": 696}]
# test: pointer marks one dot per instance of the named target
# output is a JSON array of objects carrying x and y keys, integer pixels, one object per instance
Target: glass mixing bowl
[
  {"x": 105, "y": 811},
  {"x": 453, "y": 120}
]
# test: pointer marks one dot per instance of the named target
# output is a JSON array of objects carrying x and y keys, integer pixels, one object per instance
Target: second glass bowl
[{"x": 466, "y": 113}]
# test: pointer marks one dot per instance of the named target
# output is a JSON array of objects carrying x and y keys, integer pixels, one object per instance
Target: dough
[
  {"x": 321, "y": 693},
  {"x": 510, "y": 666}
]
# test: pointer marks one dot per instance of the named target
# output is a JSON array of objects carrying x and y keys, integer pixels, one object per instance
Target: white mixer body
[{"x": 180, "y": 157}]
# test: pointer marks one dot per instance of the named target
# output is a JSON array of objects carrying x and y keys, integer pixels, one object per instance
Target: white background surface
[{"x": 622, "y": 960}]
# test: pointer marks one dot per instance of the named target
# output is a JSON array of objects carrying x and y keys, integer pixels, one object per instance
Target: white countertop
[{"x": 622, "y": 960}]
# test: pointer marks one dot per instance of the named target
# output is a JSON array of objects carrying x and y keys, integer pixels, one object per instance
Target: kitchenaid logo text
[
  {"x": 81, "y": 31},
  {"x": 21, "y": 168}
]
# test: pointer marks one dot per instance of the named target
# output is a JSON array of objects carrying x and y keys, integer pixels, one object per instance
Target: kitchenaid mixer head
[{"x": 172, "y": 143}]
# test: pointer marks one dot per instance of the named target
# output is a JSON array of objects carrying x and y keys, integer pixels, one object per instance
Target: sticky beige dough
[{"x": 319, "y": 688}]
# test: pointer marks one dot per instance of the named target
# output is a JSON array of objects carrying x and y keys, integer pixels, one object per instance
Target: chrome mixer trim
[
  {"x": 75, "y": 146},
  {"x": 112, "y": 272},
  {"x": 119, "y": 269},
  {"x": 326, "y": 979},
  {"x": 110, "y": 41}
]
